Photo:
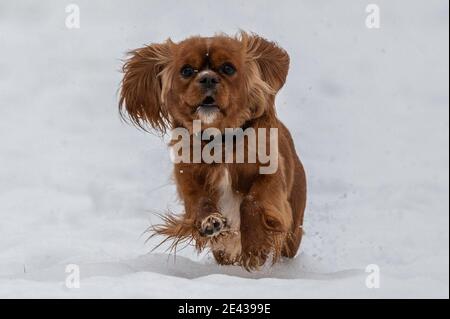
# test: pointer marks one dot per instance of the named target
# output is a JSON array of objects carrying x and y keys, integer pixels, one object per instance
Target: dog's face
[
  {"x": 221, "y": 81},
  {"x": 209, "y": 82}
]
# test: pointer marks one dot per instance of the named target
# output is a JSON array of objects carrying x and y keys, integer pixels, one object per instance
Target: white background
[{"x": 368, "y": 109}]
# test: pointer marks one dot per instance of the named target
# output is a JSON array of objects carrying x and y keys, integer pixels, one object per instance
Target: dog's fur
[{"x": 258, "y": 216}]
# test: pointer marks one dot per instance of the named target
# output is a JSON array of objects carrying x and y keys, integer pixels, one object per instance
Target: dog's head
[{"x": 222, "y": 81}]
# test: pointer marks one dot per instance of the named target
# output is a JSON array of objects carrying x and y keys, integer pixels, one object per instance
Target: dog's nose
[{"x": 209, "y": 81}]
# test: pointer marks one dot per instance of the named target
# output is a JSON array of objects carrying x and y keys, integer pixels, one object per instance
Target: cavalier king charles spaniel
[{"x": 243, "y": 216}]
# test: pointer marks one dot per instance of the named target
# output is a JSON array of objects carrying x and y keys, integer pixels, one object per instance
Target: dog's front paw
[{"x": 212, "y": 225}]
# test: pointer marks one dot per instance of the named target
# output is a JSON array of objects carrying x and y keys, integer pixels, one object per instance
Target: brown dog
[{"x": 243, "y": 216}]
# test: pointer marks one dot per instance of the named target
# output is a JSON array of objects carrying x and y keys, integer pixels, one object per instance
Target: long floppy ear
[
  {"x": 144, "y": 85},
  {"x": 272, "y": 61}
]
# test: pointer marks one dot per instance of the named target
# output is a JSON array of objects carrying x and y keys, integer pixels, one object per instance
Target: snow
[{"x": 368, "y": 109}]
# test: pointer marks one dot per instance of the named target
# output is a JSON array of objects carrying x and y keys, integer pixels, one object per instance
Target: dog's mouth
[
  {"x": 208, "y": 105},
  {"x": 208, "y": 111}
]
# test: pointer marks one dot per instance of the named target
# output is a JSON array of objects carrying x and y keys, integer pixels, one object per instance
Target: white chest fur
[
  {"x": 229, "y": 205},
  {"x": 229, "y": 201}
]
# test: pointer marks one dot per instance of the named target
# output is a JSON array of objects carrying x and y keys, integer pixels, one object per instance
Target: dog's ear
[
  {"x": 145, "y": 84},
  {"x": 272, "y": 61}
]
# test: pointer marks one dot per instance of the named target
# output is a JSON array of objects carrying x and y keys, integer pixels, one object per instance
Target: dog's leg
[
  {"x": 266, "y": 219},
  {"x": 213, "y": 206},
  {"x": 298, "y": 202},
  {"x": 198, "y": 190}
]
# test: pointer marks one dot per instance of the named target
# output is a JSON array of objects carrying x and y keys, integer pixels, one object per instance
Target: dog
[{"x": 244, "y": 217}]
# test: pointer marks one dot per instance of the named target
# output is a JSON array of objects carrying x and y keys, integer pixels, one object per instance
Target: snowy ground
[{"x": 368, "y": 110}]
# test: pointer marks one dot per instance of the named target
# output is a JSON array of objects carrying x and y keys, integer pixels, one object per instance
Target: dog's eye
[
  {"x": 187, "y": 71},
  {"x": 228, "y": 69}
]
